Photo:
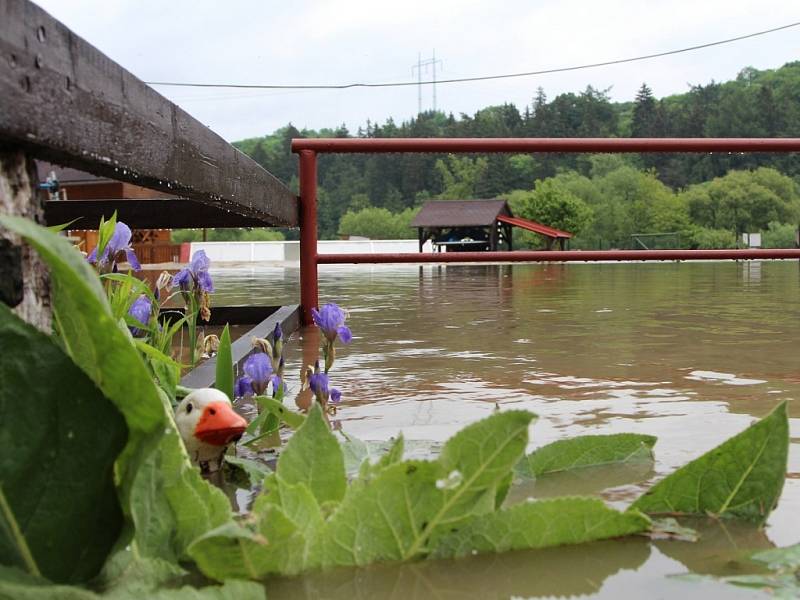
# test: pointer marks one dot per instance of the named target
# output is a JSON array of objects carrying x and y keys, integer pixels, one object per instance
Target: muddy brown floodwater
[{"x": 689, "y": 352}]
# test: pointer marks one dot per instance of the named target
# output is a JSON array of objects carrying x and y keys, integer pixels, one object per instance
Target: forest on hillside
[{"x": 708, "y": 199}]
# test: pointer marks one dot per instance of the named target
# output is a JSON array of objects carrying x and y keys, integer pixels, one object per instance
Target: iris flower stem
[
  {"x": 191, "y": 322},
  {"x": 17, "y": 537}
]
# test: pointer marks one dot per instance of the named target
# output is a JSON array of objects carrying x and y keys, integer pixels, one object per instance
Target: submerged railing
[
  {"x": 64, "y": 101},
  {"x": 308, "y": 149}
]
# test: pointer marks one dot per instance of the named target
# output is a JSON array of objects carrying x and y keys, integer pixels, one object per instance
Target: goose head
[{"x": 208, "y": 425}]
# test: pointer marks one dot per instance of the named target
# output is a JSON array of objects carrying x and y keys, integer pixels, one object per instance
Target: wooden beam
[
  {"x": 64, "y": 101},
  {"x": 206, "y": 373},
  {"x": 166, "y": 213}
]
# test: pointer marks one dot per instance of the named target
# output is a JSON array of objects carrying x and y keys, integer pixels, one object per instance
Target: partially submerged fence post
[
  {"x": 309, "y": 291},
  {"x": 24, "y": 281}
]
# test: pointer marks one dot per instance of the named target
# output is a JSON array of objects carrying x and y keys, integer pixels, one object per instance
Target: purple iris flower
[
  {"x": 318, "y": 382},
  {"x": 120, "y": 242},
  {"x": 258, "y": 368},
  {"x": 243, "y": 387},
  {"x": 330, "y": 319},
  {"x": 336, "y": 396},
  {"x": 140, "y": 310},
  {"x": 278, "y": 333},
  {"x": 195, "y": 275}
]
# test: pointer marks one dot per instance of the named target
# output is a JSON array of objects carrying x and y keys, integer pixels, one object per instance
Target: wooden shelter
[{"x": 476, "y": 225}]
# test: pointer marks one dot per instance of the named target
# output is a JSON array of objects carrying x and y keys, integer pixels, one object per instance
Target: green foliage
[
  {"x": 541, "y": 524},
  {"x": 587, "y": 451},
  {"x": 165, "y": 500},
  {"x": 313, "y": 457},
  {"x": 398, "y": 510},
  {"x": 461, "y": 176},
  {"x": 95, "y": 342},
  {"x": 779, "y": 235},
  {"x": 552, "y": 205},
  {"x": 57, "y": 439},
  {"x": 223, "y": 380},
  {"x": 378, "y": 223},
  {"x": 704, "y": 238},
  {"x": 235, "y": 234},
  {"x": 741, "y": 478}
]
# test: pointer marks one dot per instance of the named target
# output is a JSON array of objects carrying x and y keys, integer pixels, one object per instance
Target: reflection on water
[{"x": 689, "y": 352}]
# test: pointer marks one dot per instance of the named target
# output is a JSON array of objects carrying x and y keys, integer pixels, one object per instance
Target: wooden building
[
  {"x": 64, "y": 184},
  {"x": 477, "y": 225}
]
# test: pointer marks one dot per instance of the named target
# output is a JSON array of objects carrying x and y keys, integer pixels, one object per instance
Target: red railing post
[{"x": 309, "y": 294}]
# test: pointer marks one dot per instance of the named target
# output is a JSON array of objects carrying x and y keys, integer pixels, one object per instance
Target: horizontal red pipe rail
[
  {"x": 559, "y": 256},
  {"x": 382, "y": 145}
]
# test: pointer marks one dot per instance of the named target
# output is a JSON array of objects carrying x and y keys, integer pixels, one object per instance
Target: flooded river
[{"x": 689, "y": 352}]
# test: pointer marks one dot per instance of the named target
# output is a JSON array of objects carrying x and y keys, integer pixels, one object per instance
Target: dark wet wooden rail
[{"x": 64, "y": 101}]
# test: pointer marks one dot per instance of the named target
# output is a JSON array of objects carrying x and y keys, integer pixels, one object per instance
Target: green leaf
[
  {"x": 481, "y": 455},
  {"x": 392, "y": 455},
  {"x": 741, "y": 478},
  {"x": 782, "y": 559},
  {"x": 224, "y": 376},
  {"x": 313, "y": 457},
  {"x": 254, "y": 471},
  {"x": 395, "y": 515},
  {"x": 62, "y": 437},
  {"x": 284, "y": 414},
  {"x": 587, "y": 451},
  {"x": 95, "y": 343},
  {"x": 386, "y": 518},
  {"x": 172, "y": 503},
  {"x": 15, "y": 585},
  {"x": 540, "y": 524}
]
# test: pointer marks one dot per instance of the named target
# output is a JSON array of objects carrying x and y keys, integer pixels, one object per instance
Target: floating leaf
[
  {"x": 587, "y": 451},
  {"x": 224, "y": 376},
  {"x": 541, "y": 524},
  {"x": 61, "y": 438},
  {"x": 741, "y": 478},
  {"x": 787, "y": 558},
  {"x": 313, "y": 457}
]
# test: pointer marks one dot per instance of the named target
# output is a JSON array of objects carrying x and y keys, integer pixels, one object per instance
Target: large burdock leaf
[
  {"x": 587, "y": 451},
  {"x": 93, "y": 340},
  {"x": 741, "y": 478},
  {"x": 541, "y": 524},
  {"x": 281, "y": 536},
  {"x": 313, "y": 456},
  {"x": 60, "y": 438},
  {"x": 396, "y": 514},
  {"x": 163, "y": 504}
]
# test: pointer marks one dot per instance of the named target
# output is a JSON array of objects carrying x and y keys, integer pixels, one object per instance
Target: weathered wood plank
[
  {"x": 167, "y": 213},
  {"x": 205, "y": 374},
  {"x": 64, "y": 101}
]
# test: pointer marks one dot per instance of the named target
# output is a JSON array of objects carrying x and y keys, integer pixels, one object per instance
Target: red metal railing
[{"x": 309, "y": 148}]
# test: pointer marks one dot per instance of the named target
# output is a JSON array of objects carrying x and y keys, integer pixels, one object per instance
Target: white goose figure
[{"x": 208, "y": 424}]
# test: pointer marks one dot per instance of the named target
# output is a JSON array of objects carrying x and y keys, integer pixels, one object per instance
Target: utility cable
[{"x": 468, "y": 79}]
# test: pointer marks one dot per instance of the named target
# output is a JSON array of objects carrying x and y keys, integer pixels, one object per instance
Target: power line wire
[{"x": 468, "y": 79}]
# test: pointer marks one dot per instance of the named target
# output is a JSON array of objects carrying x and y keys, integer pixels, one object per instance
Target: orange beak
[{"x": 219, "y": 425}]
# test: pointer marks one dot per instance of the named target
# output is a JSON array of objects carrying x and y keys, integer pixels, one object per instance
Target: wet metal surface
[{"x": 689, "y": 352}]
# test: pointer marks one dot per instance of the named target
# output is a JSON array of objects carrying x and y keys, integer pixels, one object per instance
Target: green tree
[
  {"x": 780, "y": 235},
  {"x": 461, "y": 176},
  {"x": 378, "y": 224},
  {"x": 553, "y": 205}
]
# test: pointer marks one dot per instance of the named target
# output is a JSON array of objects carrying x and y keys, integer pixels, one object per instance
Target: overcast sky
[{"x": 344, "y": 41}]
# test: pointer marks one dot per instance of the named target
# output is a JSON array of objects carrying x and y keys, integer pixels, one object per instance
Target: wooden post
[{"x": 24, "y": 280}]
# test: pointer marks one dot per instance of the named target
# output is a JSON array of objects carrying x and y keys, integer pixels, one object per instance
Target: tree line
[{"x": 709, "y": 198}]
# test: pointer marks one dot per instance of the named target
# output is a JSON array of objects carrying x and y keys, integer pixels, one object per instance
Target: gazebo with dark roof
[{"x": 470, "y": 225}]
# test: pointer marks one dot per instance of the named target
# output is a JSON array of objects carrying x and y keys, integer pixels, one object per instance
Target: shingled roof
[{"x": 460, "y": 213}]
